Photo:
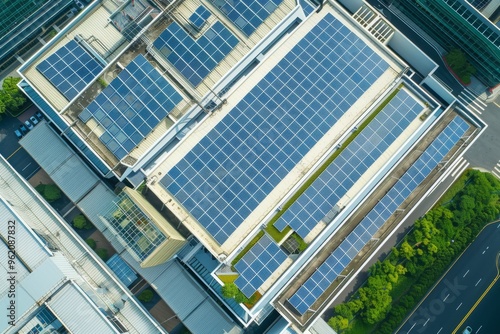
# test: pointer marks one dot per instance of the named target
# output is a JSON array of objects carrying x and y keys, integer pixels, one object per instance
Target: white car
[
  {"x": 467, "y": 330},
  {"x": 79, "y": 4}
]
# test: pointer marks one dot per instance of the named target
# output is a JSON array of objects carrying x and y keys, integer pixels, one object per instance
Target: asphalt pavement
[
  {"x": 10, "y": 149},
  {"x": 448, "y": 303},
  {"x": 484, "y": 318}
]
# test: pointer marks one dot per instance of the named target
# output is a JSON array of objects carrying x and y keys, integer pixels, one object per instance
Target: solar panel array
[
  {"x": 320, "y": 197},
  {"x": 239, "y": 162},
  {"x": 333, "y": 266},
  {"x": 121, "y": 269},
  {"x": 195, "y": 58},
  {"x": 247, "y": 15},
  {"x": 131, "y": 106},
  {"x": 70, "y": 69},
  {"x": 199, "y": 17},
  {"x": 258, "y": 264}
]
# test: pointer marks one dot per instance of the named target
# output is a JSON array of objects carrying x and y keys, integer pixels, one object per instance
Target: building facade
[{"x": 456, "y": 24}]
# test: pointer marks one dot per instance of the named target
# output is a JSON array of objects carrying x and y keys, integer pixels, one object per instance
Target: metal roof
[
  {"x": 95, "y": 203},
  {"x": 63, "y": 166},
  {"x": 192, "y": 304},
  {"x": 31, "y": 208},
  {"x": 77, "y": 312}
]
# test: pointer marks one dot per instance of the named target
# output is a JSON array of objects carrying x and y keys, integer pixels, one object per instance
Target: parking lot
[{"x": 10, "y": 149}]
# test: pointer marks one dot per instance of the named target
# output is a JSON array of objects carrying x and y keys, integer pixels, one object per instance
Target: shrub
[
  {"x": 91, "y": 242},
  {"x": 50, "y": 192},
  {"x": 146, "y": 296},
  {"x": 81, "y": 222},
  {"x": 102, "y": 253}
]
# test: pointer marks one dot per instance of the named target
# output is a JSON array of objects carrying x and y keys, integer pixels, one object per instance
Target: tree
[
  {"x": 229, "y": 290},
  {"x": 146, "y": 296},
  {"x": 458, "y": 62},
  {"x": 50, "y": 192},
  {"x": 338, "y": 323},
  {"x": 406, "y": 250},
  {"x": 81, "y": 222},
  {"x": 343, "y": 310},
  {"x": 91, "y": 242},
  {"x": 11, "y": 96}
]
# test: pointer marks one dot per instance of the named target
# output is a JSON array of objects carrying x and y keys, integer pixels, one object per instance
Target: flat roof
[{"x": 305, "y": 89}]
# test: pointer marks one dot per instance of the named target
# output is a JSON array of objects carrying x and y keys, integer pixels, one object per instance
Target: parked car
[
  {"x": 18, "y": 133},
  {"x": 23, "y": 129},
  {"x": 467, "y": 330},
  {"x": 28, "y": 125},
  {"x": 39, "y": 115},
  {"x": 34, "y": 120},
  {"x": 79, "y": 4}
]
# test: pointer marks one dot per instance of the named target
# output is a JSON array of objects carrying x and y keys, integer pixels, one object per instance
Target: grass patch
[
  {"x": 458, "y": 185},
  {"x": 302, "y": 244},
  {"x": 102, "y": 82},
  {"x": 275, "y": 234},
  {"x": 253, "y": 300},
  {"x": 227, "y": 278},
  {"x": 247, "y": 248},
  {"x": 321, "y": 169}
]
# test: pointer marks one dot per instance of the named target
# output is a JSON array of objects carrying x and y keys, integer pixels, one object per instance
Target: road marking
[
  {"x": 475, "y": 304},
  {"x": 459, "y": 168},
  {"x": 411, "y": 328},
  {"x": 467, "y": 101},
  {"x": 466, "y": 273},
  {"x": 478, "y": 281},
  {"x": 484, "y": 251},
  {"x": 446, "y": 297},
  {"x": 479, "y": 329},
  {"x": 475, "y": 97},
  {"x": 26, "y": 166},
  {"x": 487, "y": 247},
  {"x": 10, "y": 156},
  {"x": 439, "y": 331},
  {"x": 426, "y": 322},
  {"x": 459, "y": 306}
]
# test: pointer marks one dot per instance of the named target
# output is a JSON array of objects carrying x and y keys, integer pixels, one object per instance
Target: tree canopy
[{"x": 11, "y": 97}]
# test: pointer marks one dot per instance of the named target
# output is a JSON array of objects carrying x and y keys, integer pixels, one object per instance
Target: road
[
  {"x": 456, "y": 293},
  {"x": 484, "y": 318}
]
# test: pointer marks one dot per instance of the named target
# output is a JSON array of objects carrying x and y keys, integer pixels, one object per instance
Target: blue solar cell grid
[
  {"x": 195, "y": 59},
  {"x": 199, "y": 17},
  {"x": 237, "y": 164},
  {"x": 121, "y": 269},
  {"x": 314, "y": 286},
  {"x": 131, "y": 106},
  {"x": 256, "y": 266},
  {"x": 70, "y": 69},
  {"x": 247, "y": 15},
  {"x": 346, "y": 169}
]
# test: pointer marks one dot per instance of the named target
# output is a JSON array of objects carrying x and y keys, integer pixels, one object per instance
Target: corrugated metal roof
[
  {"x": 95, "y": 203},
  {"x": 31, "y": 208},
  {"x": 194, "y": 307},
  {"x": 64, "y": 167},
  {"x": 29, "y": 247},
  {"x": 78, "y": 314}
]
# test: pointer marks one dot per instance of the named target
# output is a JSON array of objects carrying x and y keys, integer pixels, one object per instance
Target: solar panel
[
  {"x": 195, "y": 59},
  {"x": 70, "y": 69},
  {"x": 351, "y": 163},
  {"x": 304, "y": 298},
  {"x": 199, "y": 17},
  {"x": 270, "y": 130},
  {"x": 121, "y": 269},
  {"x": 247, "y": 15},
  {"x": 131, "y": 106},
  {"x": 258, "y": 264}
]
